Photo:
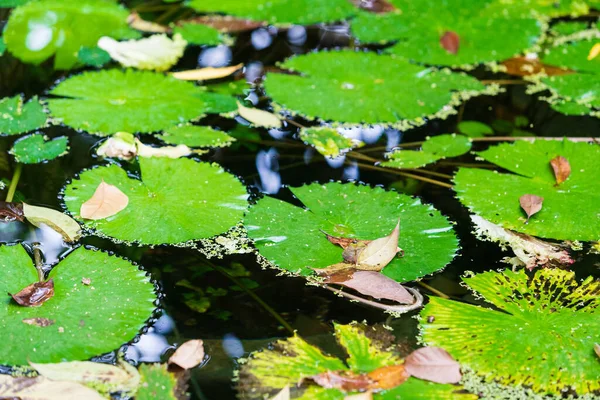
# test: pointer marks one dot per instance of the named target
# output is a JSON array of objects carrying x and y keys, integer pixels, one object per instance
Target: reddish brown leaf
[
  {"x": 388, "y": 377},
  {"x": 531, "y": 204},
  {"x": 35, "y": 294},
  {"x": 345, "y": 381},
  {"x": 224, "y": 23},
  {"x": 523, "y": 66},
  {"x": 341, "y": 241},
  {"x": 10, "y": 211},
  {"x": 561, "y": 168},
  {"x": 450, "y": 41},
  {"x": 352, "y": 253},
  {"x": 41, "y": 322},
  {"x": 433, "y": 364},
  {"x": 374, "y": 6},
  {"x": 372, "y": 284}
]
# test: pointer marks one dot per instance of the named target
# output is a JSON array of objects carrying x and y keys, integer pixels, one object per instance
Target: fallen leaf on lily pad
[
  {"x": 61, "y": 223},
  {"x": 372, "y": 284},
  {"x": 121, "y": 145},
  {"x": 378, "y": 253},
  {"x": 106, "y": 201},
  {"x": 284, "y": 394},
  {"x": 450, "y": 41},
  {"x": 388, "y": 377},
  {"x": 360, "y": 396},
  {"x": 10, "y": 211},
  {"x": 35, "y": 294},
  {"x": 561, "y": 168},
  {"x": 205, "y": 74},
  {"x": 594, "y": 51},
  {"x": 259, "y": 117},
  {"x": 181, "y": 150},
  {"x": 433, "y": 364},
  {"x": 374, "y": 6},
  {"x": 43, "y": 388},
  {"x": 531, "y": 204},
  {"x": 342, "y": 380},
  {"x": 188, "y": 355},
  {"x": 41, "y": 322},
  {"x": 225, "y": 23}
]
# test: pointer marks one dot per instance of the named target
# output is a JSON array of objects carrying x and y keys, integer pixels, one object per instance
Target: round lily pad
[
  {"x": 37, "y": 148},
  {"x": 109, "y": 101},
  {"x": 292, "y": 237},
  {"x": 474, "y": 129},
  {"x": 449, "y": 145},
  {"x": 541, "y": 8},
  {"x": 196, "y": 136},
  {"x": 80, "y": 321},
  {"x": 176, "y": 200},
  {"x": 364, "y": 88},
  {"x": 199, "y": 34},
  {"x": 280, "y": 12},
  {"x": 40, "y": 29},
  {"x": 18, "y": 117},
  {"x": 328, "y": 141},
  {"x": 409, "y": 159},
  {"x": 542, "y": 338},
  {"x": 569, "y": 210}
]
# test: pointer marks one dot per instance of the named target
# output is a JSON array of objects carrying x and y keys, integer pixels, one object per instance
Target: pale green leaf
[
  {"x": 328, "y": 141},
  {"x": 156, "y": 383},
  {"x": 449, "y": 145},
  {"x": 37, "y": 148},
  {"x": 196, "y": 136},
  {"x": 61, "y": 223}
]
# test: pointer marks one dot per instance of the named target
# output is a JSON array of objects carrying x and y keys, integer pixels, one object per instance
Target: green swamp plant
[{"x": 433, "y": 149}]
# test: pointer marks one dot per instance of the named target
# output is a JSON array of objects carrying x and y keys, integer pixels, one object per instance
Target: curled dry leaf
[
  {"x": 526, "y": 66},
  {"x": 136, "y": 22},
  {"x": 531, "y": 204},
  {"x": 433, "y": 364},
  {"x": 561, "y": 168},
  {"x": 388, "y": 377},
  {"x": 374, "y": 6},
  {"x": 188, "y": 355},
  {"x": 380, "y": 252},
  {"x": 35, "y": 294},
  {"x": 41, "y": 322},
  {"x": 61, "y": 223},
  {"x": 106, "y": 201},
  {"x": 225, "y": 23},
  {"x": 371, "y": 283},
  {"x": 41, "y": 387},
  {"x": 259, "y": 117},
  {"x": 594, "y": 52},
  {"x": 10, "y": 211},
  {"x": 283, "y": 394},
  {"x": 205, "y": 74},
  {"x": 342, "y": 380},
  {"x": 450, "y": 41}
]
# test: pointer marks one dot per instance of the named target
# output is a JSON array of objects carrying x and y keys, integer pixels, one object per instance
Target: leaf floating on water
[
  {"x": 181, "y": 150},
  {"x": 388, "y": 377},
  {"x": 380, "y": 252},
  {"x": 35, "y": 294},
  {"x": 372, "y": 284},
  {"x": 205, "y": 74},
  {"x": 188, "y": 355},
  {"x": 61, "y": 223},
  {"x": 342, "y": 380},
  {"x": 41, "y": 322},
  {"x": 138, "y": 23},
  {"x": 225, "y": 23},
  {"x": 433, "y": 364},
  {"x": 43, "y": 388},
  {"x": 594, "y": 51},
  {"x": 531, "y": 204},
  {"x": 10, "y": 211},
  {"x": 450, "y": 41},
  {"x": 106, "y": 201},
  {"x": 259, "y": 117},
  {"x": 561, "y": 168}
]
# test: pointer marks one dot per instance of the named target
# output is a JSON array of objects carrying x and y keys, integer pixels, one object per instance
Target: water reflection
[
  {"x": 351, "y": 172},
  {"x": 267, "y": 165},
  {"x": 296, "y": 35},
  {"x": 253, "y": 71},
  {"x": 336, "y": 162},
  {"x": 152, "y": 344},
  {"x": 261, "y": 39},
  {"x": 218, "y": 56},
  {"x": 393, "y": 139},
  {"x": 233, "y": 346}
]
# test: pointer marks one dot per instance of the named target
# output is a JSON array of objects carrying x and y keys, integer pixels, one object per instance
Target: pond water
[{"x": 232, "y": 303}]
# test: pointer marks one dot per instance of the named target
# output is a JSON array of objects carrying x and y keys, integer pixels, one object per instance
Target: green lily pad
[
  {"x": 106, "y": 102},
  {"x": 37, "y": 148},
  {"x": 156, "y": 383},
  {"x": 196, "y": 136},
  {"x": 569, "y": 210},
  {"x": 40, "y": 29},
  {"x": 542, "y": 338},
  {"x": 17, "y": 117},
  {"x": 84, "y": 320},
  {"x": 565, "y": 28},
  {"x": 280, "y": 12},
  {"x": 328, "y": 141},
  {"x": 199, "y": 34},
  {"x": 542, "y": 8},
  {"x": 474, "y": 129},
  {"x": 434, "y": 148},
  {"x": 362, "y": 88},
  {"x": 93, "y": 56},
  {"x": 2, "y": 46},
  {"x": 176, "y": 200},
  {"x": 417, "y": 28},
  {"x": 290, "y": 237},
  {"x": 409, "y": 159},
  {"x": 571, "y": 108},
  {"x": 293, "y": 360}
]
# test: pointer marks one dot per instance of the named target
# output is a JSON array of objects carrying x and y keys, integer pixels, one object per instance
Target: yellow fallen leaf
[
  {"x": 61, "y": 223},
  {"x": 180, "y": 150},
  {"x": 380, "y": 252},
  {"x": 205, "y": 74},
  {"x": 259, "y": 117},
  {"x": 136, "y": 22},
  {"x": 594, "y": 51},
  {"x": 189, "y": 354},
  {"x": 283, "y": 394},
  {"x": 106, "y": 201}
]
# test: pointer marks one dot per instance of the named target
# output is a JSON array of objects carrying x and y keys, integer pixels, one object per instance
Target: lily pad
[
  {"x": 199, "y": 34},
  {"x": 291, "y": 237},
  {"x": 328, "y": 141},
  {"x": 542, "y": 8},
  {"x": 176, "y": 200},
  {"x": 483, "y": 36},
  {"x": 80, "y": 321},
  {"x": 569, "y": 210},
  {"x": 280, "y": 12},
  {"x": 18, "y": 117},
  {"x": 409, "y": 159},
  {"x": 434, "y": 148},
  {"x": 40, "y": 29},
  {"x": 37, "y": 148},
  {"x": 110, "y": 101},
  {"x": 542, "y": 337},
  {"x": 196, "y": 136},
  {"x": 156, "y": 383},
  {"x": 294, "y": 360},
  {"x": 363, "y": 88}
]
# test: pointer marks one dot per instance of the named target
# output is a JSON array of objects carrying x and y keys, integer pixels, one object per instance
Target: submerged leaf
[
  {"x": 61, "y": 223},
  {"x": 433, "y": 364},
  {"x": 188, "y": 355},
  {"x": 259, "y": 117},
  {"x": 106, "y": 201},
  {"x": 37, "y": 148},
  {"x": 43, "y": 388},
  {"x": 450, "y": 41},
  {"x": 561, "y": 168},
  {"x": 35, "y": 295},
  {"x": 531, "y": 204},
  {"x": 10, "y": 211},
  {"x": 372, "y": 284},
  {"x": 205, "y": 74}
]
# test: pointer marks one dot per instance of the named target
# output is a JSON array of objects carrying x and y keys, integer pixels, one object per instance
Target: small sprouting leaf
[
  {"x": 328, "y": 141},
  {"x": 205, "y": 74},
  {"x": 35, "y": 295},
  {"x": 40, "y": 387},
  {"x": 561, "y": 168},
  {"x": 10, "y": 211},
  {"x": 450, "y": 41},
  {"x": 37, "y": 148},
  {"x": 433, "y": 364},
  {"x": 188, "y": 355},
  {"x": 136, "y": 22},
  {"x": 531, "y": 204},
  {"x": 106, "y": 201},
  {"x": 259, "y": 117},
  {"x": 380, "y": 252},
  {"x": 61, "y": 223},
  {"x": 372, "y": 284},
  {"x": 594, "y": 51}
]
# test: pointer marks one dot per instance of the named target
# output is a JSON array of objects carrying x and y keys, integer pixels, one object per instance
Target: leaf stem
[
  {"x": 433, "y": 290},
  {"x": 503, "y": 81},
  {"x": 14, "y": 182},
  {"x": 405, "y": 174},
  {"x": 399, "y": 308},
  {"x": 384, "y": 148},
  {"x": 37, "y": 258}
]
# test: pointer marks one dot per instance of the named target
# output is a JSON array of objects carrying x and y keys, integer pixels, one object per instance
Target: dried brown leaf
[
  {"x": 224, "y": 23},
  {"x": 371, "y": 283},
  {"x": 342, "y": 241},
  {"x": 353, "y": 251},
  {"x": 374, "y": 6},
  {"x": 379, "y": 252},
  {"x": 597, "y": 349},
  {"x": 388, "y": 377},
  {"x": 35, "y": 294},
  {"x": 10, "y": 211},
  {"x": 561, "y": 168},
  {"x": 106, "y": 201},
  {"x": 450, "y": 41},
  {"x": 205, "y": 74},
  {"x": 342, "y": 380},
  {"x": 40, "y": 387},
  {"x": 433, "y": 364},
  {"x": 283, "y": 394},
  {"x": 335, "y": 268},
  {"x": 524, "y": 66},
  {"x": 41, "y": 322},
  {"x": 136, "y": 22},
  {"x": 531, "y": 204},
  {"x": 188, "y": 355}
]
